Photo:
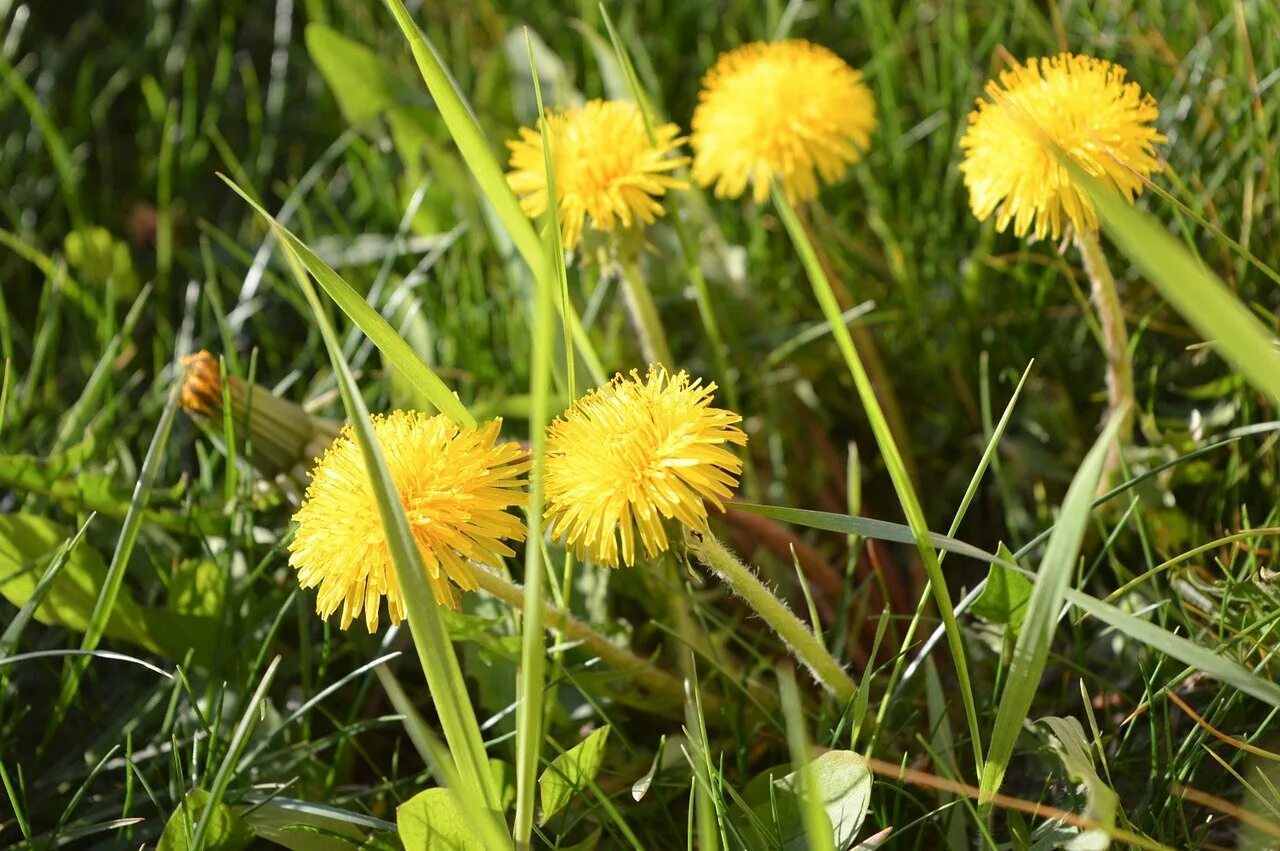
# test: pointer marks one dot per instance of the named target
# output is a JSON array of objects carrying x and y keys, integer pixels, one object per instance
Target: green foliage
[
  {"x": 571, "y": 772},
  {"x": 227, "y": 831}
]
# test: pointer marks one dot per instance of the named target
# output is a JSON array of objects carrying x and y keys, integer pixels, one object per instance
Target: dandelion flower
[
  {"x": 788, "y": 110},
  {"x": 455, "y": 483},
  {"x": 633, "y": 454},
  {"x": 1074, "y": 104},
  {"x": 608, "y": 174}
]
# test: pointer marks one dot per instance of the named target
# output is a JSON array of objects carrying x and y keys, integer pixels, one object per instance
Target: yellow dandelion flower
[
  {"x": 1078, "y": 105},
  {"x": 455, "y": 483},
  {"x": 608, "y": 174},
  {"x": 789, "y": 110},
  {"x": 633, "y": 454}
]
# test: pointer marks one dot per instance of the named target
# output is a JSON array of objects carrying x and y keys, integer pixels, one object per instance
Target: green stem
[
  {"x": 893, "y": 461},
  {"x": 1115, "y": 339},
  {"x": 657, "y": 682},
  {"x": 799, "y": 639},
  {"x": 644, "y": 313}
]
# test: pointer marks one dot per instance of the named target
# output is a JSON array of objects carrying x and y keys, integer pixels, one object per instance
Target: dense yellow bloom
[
  {"x": 788, "y": 110},
  {"x": 455, "y": 484},
  {"x": 1077, "y": 105},
  {"x": 633, "y": 454},
  {"x": 607, "y": 172}
]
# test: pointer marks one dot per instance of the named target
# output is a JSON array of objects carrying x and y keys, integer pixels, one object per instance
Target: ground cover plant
[{"x": 647, "y": 425}]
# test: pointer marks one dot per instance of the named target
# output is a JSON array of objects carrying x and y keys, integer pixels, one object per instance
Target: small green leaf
[
  {"x": 356, "y": 76},
  {"x": 843, "y": 781},
  {"x": 226, "y": 831},
  {"x": 27, "y": 542},
  {"x": 432, "y": 819},
  {"x": 1004, "y": 598},
  {"x": 571, "y": 772},
  {"x": 198, "y": 588},
  {"x": 1067, "y": 739},
  {"x": 97, "y": 256}
]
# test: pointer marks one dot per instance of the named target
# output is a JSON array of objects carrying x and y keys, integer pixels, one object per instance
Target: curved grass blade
[
  {"x": 430, "y": 636},
  {"x": 397, "y": 351},
  {"x": 1031, "y": 651}
]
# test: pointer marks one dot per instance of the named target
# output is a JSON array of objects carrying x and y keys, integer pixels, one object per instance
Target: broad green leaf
[
  {"x": 355, "y": 74},
  {"x": 226, "y": 830},
  {"x": 1198, "y": 294},
  {"x": 1068, "y": 741},
  {"x": 1004, "y": 597},
  {"x": 198, "y": 588},
  {"x": 396, "y": 350},
  {"x": 571, "y": 772},
  {"x": 307, "y": 826},
  {"x": 97, "y": 256},
  {"x": 27, "y": 543},
  {"x": 843, "y": 783},
  {"x": 1048, "y": 593},
  {"x": 432, "y": 819}
]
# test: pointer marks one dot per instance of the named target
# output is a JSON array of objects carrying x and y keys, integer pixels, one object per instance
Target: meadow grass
[{"x": 313, "y": 191}]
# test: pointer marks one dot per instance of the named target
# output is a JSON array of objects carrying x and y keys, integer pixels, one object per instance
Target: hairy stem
[
  {"x": 1120, "y": 398},
  {"x": 707, "y": 549},
  {"x": 644, "y": 314}
]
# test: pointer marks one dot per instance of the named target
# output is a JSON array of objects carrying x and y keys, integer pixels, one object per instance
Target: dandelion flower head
[
  {"x": 455, "y": 483},
  {"x": 1076, "y": 105},
  {"x": 608, "y": 172},
  {"x": 633, "y": 454},
  {"x": 789, "y": 110}
]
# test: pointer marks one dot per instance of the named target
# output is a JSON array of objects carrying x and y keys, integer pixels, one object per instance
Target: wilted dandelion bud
[
  {"x": 633, "y": 455},
  {"x": 278, "y": 437},
  {"x": 1065, "y": 105},
  {"x": 456, "y": 484},
  {"x": 608, "y": 173},
  {"x": 789, "y": 111}
]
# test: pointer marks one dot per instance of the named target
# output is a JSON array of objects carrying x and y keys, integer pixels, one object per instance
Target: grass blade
[
  {"x": 1198, "y": 294},
  {"x": 533, "y": 650},
  {"x": 907, "y": 497},
  {"x": 475, "y": 150},
  {"x": 396, "y": 350},
  {"x": 1047, "y": 595},
  {"x": 430, "y": 636}
]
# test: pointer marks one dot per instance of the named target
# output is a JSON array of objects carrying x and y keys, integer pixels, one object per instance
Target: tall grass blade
[
  {"x": 1031, "y": 651},
  {"x": 475, "y": 150},
  {"x": 430, "y": 636}
]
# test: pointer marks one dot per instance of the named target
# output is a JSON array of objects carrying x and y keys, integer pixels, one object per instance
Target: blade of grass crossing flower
[
  {"x": 397, "y": 351},
  {"x": 1031, "y": 651},
  {"x": 1198, "y": 294},
  {"x": 532, "y": 672},
  {"x": 430, "y": 637},
  {"x": 485, "y": 168},
  {"x": 893, "y": 461}
]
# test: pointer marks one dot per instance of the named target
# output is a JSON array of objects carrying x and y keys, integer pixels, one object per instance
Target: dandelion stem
[
  {"x": 644, "y": 313},
  {"x": 659, "y": 683},
  {"x": 1115, "y": 339},
  {"x": 799, "y": 638}
]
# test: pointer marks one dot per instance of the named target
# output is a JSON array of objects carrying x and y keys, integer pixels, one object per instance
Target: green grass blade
[
  {"x": 430, "y": 636},
  {"x": 1188, "y": 652},
  {"x": 485, "y": 168},
  {"x": 816, "y": 826},
  {"x": 1047, "y": 595},
  {"x": 1198, "y": 294},
  {"x": 533, "y": 650},
  {"x": 396, "y": 350}
]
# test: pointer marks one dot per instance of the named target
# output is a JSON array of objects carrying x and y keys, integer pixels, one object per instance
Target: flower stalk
[
  {"x": 1115, "y": 340},
  {"x": 644, "y": 313},
  {"x": 660, "y": 685},
  {"x": 800, "y": 640}
]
